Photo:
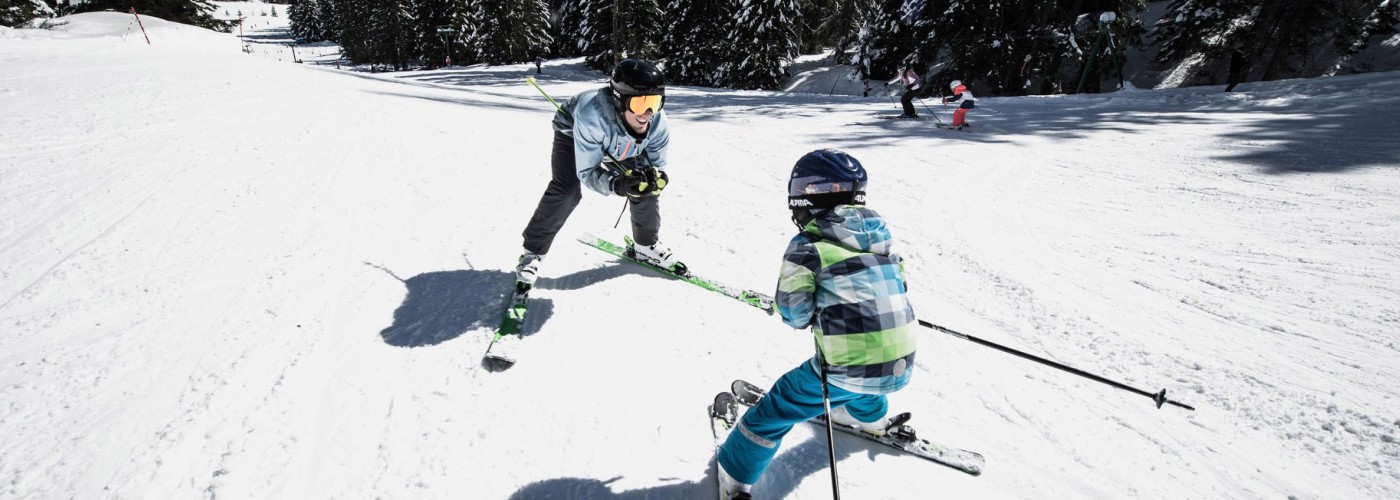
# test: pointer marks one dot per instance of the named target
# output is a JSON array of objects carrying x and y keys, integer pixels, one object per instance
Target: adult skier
[
  {"x": 613, "y": 140},
  {"x": 911, "y": 81},
  {"x": 840, "y": 279},
  {"x": 960, "y": 93}
]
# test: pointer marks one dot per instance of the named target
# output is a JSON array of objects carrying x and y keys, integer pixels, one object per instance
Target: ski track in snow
[{"x": 290, "y": 298}]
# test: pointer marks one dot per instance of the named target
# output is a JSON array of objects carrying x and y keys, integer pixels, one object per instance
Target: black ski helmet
[
  {"x": 636, "y": 77},
  {"x": 824, "y": 179}
]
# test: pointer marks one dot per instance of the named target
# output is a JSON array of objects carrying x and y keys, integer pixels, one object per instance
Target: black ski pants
[
  {"x": 908, "y": 101},
  {"x": 563, "y": 194}
]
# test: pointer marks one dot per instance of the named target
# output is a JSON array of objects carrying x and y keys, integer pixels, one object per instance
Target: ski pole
[
  {"x": 930, "y": 111},
  {"x": 624, "y": 210},
  {"x": 1159, "y": 397},
  {"x": 605, "y": 165},
  {"x": 830, "y": 433}
]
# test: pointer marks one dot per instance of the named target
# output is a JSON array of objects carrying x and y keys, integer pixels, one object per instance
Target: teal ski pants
[{"x": 795, "y": 398}]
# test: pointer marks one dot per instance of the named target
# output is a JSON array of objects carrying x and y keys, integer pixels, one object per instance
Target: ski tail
[
  {"x": 500, "y": 355},
  {"x": 724, "y": 414}
]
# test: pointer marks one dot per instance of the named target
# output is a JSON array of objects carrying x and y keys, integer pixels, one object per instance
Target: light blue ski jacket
[{"x": 593, "y": 120}]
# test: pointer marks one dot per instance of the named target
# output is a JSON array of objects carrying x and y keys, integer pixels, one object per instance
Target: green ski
[
  {"x": 750, "y": 297},
  {"x": 500, "y": 355}
]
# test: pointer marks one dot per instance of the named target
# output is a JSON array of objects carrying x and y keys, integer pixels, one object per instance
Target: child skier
[
  {"x": 840, "y": 279},
  {"x": 960, "y": 92}
]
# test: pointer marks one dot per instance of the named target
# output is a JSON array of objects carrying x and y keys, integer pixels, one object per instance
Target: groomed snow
[{"x": 224, "y": 275}]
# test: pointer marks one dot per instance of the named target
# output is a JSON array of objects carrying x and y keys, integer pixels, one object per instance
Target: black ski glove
[
  {"x": 638, "y": 183},
  {"x": 658, "y": 179},
  {"x": 631, "y": 183}
]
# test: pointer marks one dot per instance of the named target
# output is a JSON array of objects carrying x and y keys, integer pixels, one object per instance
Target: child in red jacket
[{"x": 960, "y": 93}]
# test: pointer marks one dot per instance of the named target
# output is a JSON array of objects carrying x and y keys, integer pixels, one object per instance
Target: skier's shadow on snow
[
  {"x": 780, "y": 480},
  {"x": 441, "y": 306}
]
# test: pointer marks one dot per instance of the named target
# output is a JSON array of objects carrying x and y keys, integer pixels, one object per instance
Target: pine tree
[
  {"x": 392, "y": 35},
  {"x": 354, "y": 28},
  {"x": 1027, "y": 46},
  {"x": 695, "y": 37},
  {"x": 766, "y": 32},
  {"x": 304, "y": 21},
  {"x": 428, "y": 16},
  {"x": 596, "y": 33},
  {"x": 328, "y": 19},
  {"x": 1278, "y": 38},
  {"x": 894, "y": 34},
  {"x": 506, "y": 31},
  {"x": 193, "y": 12},
  {"x": 810, "y": 15},
  {"x": 17, "y": 12},
  {"x": 841, "y": 28},
  {"x": 1193, "y": 32},
  {"x": 640, "y": 27},
  {"x": 1367, "y": 19},
  {"x": 566, "y": 29}
]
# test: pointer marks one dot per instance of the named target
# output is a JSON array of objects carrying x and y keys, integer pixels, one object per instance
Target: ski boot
[
  {"x": 526, "y": 272},
  {"x": 656, "y": 254}
]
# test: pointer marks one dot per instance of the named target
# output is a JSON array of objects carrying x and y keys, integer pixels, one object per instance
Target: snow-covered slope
[{"x": 222, "y": 275}]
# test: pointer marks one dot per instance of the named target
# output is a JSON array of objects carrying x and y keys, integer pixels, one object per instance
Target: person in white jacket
[{"x": 911, "y": 81}]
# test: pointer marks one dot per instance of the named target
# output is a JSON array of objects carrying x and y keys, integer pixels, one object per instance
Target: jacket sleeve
[
  {"x": 797, "y": 283},
  {"x": 590, "y": 135}
]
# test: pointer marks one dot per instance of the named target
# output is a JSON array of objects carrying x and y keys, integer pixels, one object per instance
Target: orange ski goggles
[{"x": 640, "y": 104}]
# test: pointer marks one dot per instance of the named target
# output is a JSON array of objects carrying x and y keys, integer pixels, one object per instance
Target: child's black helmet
[{"x": 826, "y": 178}]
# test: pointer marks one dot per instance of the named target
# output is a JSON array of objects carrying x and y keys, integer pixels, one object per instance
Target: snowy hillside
[{"x": 228, "y": 275}]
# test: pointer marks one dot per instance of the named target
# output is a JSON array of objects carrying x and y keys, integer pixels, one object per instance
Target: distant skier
[
  {"x": 960, "y": 93},
  {"x": 1238, "y": 66},
  {"x": 624, "y": 120},
  {"x": 840, "y": 279},
  {"x": 911, "y": 81}
]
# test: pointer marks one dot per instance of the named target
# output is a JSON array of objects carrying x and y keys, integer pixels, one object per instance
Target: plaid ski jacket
[{"x": 840, "y": 279}]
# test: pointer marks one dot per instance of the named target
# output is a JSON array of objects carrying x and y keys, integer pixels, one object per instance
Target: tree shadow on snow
[
  {"x": 781, "y": 479},
  {"x": 1340, "y": 139},
  {"x": 1307, "y": 127}
]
